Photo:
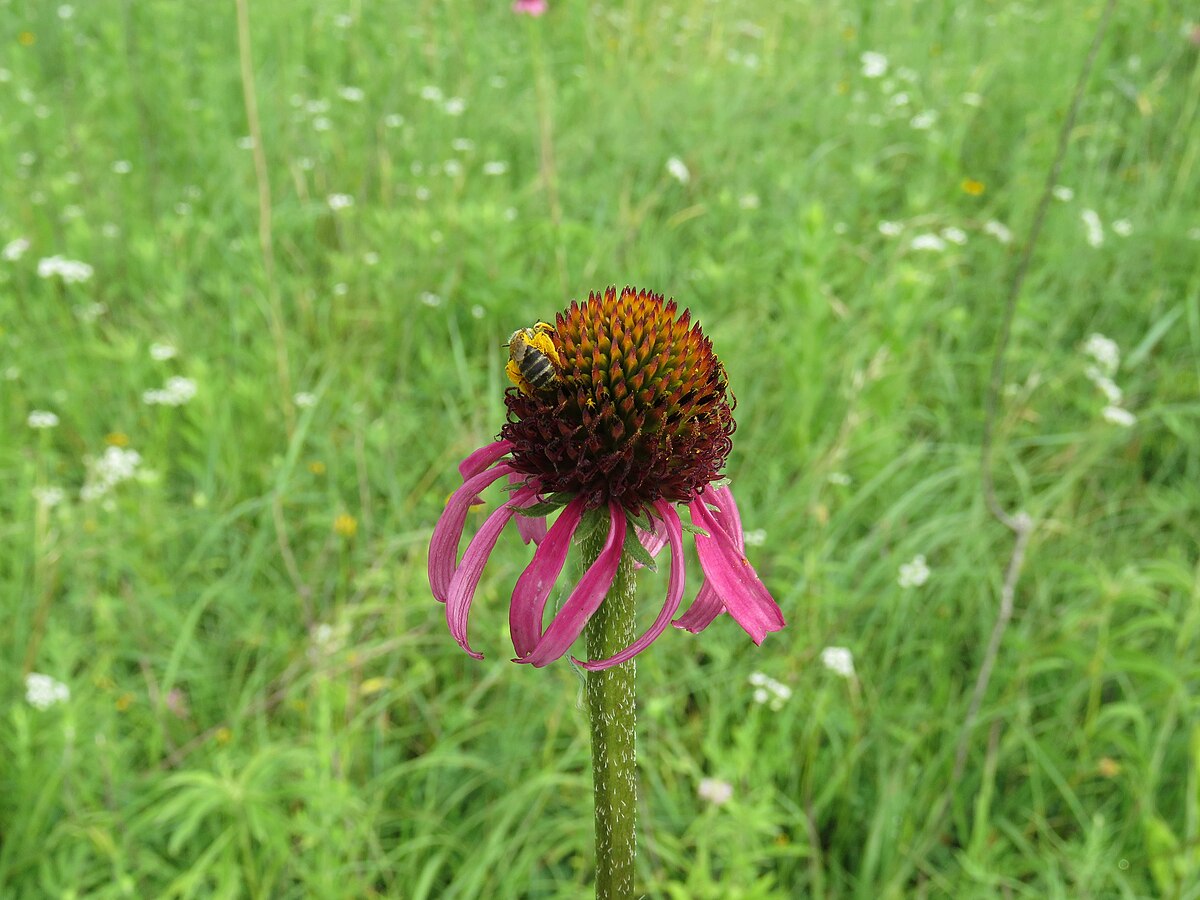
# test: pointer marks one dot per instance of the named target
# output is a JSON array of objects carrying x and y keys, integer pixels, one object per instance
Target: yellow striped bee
[{"x": 532, "y": 360}]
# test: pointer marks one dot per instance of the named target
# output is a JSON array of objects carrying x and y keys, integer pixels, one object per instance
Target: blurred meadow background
[{"x": 240, "y": 360}]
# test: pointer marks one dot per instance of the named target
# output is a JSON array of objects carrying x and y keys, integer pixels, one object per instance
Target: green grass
[{"x": 264, "y": 705}]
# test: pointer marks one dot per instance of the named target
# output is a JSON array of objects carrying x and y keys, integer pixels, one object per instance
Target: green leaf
[
  {"x": 634, "y": 548},
  {"x": 692, "y": 529}
]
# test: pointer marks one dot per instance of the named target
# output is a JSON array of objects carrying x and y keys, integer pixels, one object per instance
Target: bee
[{"x": 532, "y": 360}]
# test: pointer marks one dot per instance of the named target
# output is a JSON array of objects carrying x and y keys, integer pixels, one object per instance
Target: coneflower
[
  {"x": 637, "y": 421},
  {"x": 620, "y": 412}
]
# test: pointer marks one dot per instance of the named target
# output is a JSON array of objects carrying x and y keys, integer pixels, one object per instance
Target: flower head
[
  {"x": 42, "y": 691},
  {"x": 533, "y": 8},
  {"x": 620, "y": 411}
]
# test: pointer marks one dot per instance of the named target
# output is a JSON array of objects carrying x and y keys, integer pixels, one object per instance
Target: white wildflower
[
  {"x": 749, "y": 201},
  {"x": 495, "y": 167},
  {"x": 246, "y": 142},
  {"x": 838, "y": 660},
  {"x": 1118, "y": 416},
  {"x": 1104, "y": 351},
  {"x": 923, "y": 121},
  {"x": 393, "y": 120},
  {"x": 954, "y": 235},
  {"x": 768, "y": 691},
  {"x": 755, "y": 538},
  {"x": 1095, "y": 230},
  {"x": 874, "y": 65},
  {"x": 972, "y": 99},
  {"x": 1122, "y": 228},
  {"x": 715, "y": 791},
  {"x": 430, "y": 299},
  {"x": 339, "y": 201},
  {"x": 927, "y": 242},
  {"x": 899, "y": 99},
  {"x": 321, "y": 123},
  {"x": 839, "y": 478},
  {"x": 116, "y": 465},
  {"x": 371, "y": 258},
  {"x": 477, "y": 311},
  {"x": 1107, "y": 386},
  {"x": 41, "y": 419},
  {"x": 351, "y": 94},
  {"x": 1063, "y": 193},
  {"x": 49, "y": 497},
  {"x": 176, "y": 392},
  {"x": 1193, "y": 234},
  {"x": 42, "y": 691},
  {"x": 161, "y": 352},
  {"x": 90, "y": 312},
  {"x": 343, "y": 20},
  {"x": 122, "y": 167},
  {"x": 462, "y": 145},
  {"x": 15, "y": 249},
  {"x": 66, "y": 12},
  {"x": 913, "y": 573},
  {"x": 304, "y": 399},
  {"x": 454, "y": 106},
  {"x": 341, "y": 289},
  {"x": 432, "y": 93},
  {"x": 998, "y": 230},
  {"x": 316, "y": 107},
  {"x": 70, "y": 271},
  {"x": 678, "y": 170},
  {"x": 452, "y": 167},
  {"x": 890, "y": 229}
]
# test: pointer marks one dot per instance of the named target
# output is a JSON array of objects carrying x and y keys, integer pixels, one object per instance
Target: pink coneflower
[
  {"x": 530, "y": 7},
  {"x": 635, "y": 418}
]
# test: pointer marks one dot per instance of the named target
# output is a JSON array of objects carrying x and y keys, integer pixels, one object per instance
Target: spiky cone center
[{"x": 640, "y": 409}]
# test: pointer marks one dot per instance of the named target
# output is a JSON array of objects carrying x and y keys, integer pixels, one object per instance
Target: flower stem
[{"x": 611, "y": 706}]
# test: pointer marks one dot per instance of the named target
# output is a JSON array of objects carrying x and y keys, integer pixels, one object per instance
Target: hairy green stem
[{"x": 612, "y": 709}]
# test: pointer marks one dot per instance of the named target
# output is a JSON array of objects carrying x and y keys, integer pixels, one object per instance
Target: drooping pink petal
[
  {"x": 536, "y": 582},
  {"x": 466, "y": 576},
  {"x": 566, "y": 626},
  {"x": 531, "y": 528},
  {"x": 483, "y": 458},
  {"x": 674, "y": 533},
  {"x": 707, "y": 605},
  {"x": 443, "y": 546},
  {"x": 732, "y": 577}
]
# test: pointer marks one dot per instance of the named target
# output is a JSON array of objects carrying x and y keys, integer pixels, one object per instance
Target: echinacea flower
[
  {"x": 636, "y": 419},
  {"x": 533, "y": 8}
]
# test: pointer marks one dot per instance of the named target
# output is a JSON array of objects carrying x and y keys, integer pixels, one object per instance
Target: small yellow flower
[
  {"x": 849, "y": 33},
  {"x": 26, "y": 39},
  {"x": 1108, "y": 767},
  {"x": 117, "y": 439},
  {"x": 346, "y": 525},
  {"x": 374, "y": 685},
  {"x": 316, "y": 467},
  {"x": 223, "y": 735},
  {"x": 124, "y": 702},
  {"x": 972, "y": 187}
]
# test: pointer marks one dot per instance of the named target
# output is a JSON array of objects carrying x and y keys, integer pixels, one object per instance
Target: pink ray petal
[
  {"x": 732, "y": 577},
  {"x": 531, "y": 528},
  {"x": 536, "y": 582},
  {"x": 466, "y": 576},
  {"x": 674, "y": 533},
  {"x": 566, "y": 626},
  {"x": 707, "y": 605},
  {"x": 483, "y": 458},
  {"x": 443, "y": 546}
]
